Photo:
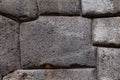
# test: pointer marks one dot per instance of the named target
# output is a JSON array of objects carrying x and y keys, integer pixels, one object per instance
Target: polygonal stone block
[
  {"x": 59, "y": 7},
  {"x": 108, "y": 64},
  {"x": 60, "y": 74},
  {"x": 19, "y": 9},
  {"x": 106, "y": 32},
  {"x": 98, "y": 8},
  {"x": 9, "y": 53},
  {"x": 60, "y": 41}
]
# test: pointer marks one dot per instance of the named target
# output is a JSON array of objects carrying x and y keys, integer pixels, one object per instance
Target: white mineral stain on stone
[
  {"x": 97, "y": 6},
  {"x": 98, "y": 32},
  {"x": 106, "y": 31},
  {"x": 104, "y": 5},
  {"x": 108, "y": 63}
]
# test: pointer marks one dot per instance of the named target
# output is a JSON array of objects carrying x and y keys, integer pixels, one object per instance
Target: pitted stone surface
[
  {"x": 60, "y": 41},
  {"x": 60, "y": 74},
  {"x": 20, "y": 9},
  {"x": 108, "y": 64},
  {"x": 60, "y": 7},
  {"x": 9, "y": 53},
  {"x": 106, "y": 32},
  {"x": 98, "y": 8}
]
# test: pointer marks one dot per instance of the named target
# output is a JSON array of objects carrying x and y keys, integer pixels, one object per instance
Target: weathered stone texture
[
  {"x": 108, "y": 64},
  {"x": 20, "y": 9},
  {"x": 60, "y": 41},
  {"x": 106, "y": 32},
  {"x": 60, "y": 7},
  {"x": 61, "y": 74},
  {"x": 9, "y": 53},
  {"x": 98, "y": 8}
]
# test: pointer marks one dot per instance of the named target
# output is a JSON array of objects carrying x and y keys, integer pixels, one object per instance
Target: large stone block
[
  {"x": 9, "y": 53},
  {"x": 59, "y": 7},
  {"x": 60, "y": 41},
  {"x": 60, "y": 74},
  {"x": 108, "y": 64},
  {"x": 19, "y": 9},
  {"x": 98, "y": 8},
  {"x": 106, "y": 32}
]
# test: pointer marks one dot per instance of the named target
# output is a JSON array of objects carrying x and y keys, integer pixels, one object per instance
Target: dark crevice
[
  {"x": 58, "y": 14},
  {"x": 91, "y": 31},
  {"x": 80, "y": 7},
  {"x": 50, "y": 66},
  {"x": 2, "y": 76},
  {"x": 97, "y": 67},
  {"x": 19, "y": 45},
  {"x": 19, "y": 19},
  {"x": 10, "y": 16},
  {"x": 107, "y": 45},
  {"x": 37, "y": 5},
  {"x": 94, "y": 15},
  {"x": 28, "y": 19}
]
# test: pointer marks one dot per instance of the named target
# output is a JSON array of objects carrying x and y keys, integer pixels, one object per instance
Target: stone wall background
[{"x": 59, "y": 40}]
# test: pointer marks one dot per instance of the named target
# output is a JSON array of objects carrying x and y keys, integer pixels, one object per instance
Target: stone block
[
  {"x": 106, "y": 32},
  {"x": 9, "y": 53},
  {"x": 99, "y": 8},
  {"x": 60, "y": 41},
  {"x": 19, "y": 9},
  {"x": 59, "y": 7},
  {"x": 60, "y": 74},
  {"x": 108, "y": 64}
]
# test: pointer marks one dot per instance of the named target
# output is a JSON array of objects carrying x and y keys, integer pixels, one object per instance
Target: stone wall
[{"x": 59, "y": 40}]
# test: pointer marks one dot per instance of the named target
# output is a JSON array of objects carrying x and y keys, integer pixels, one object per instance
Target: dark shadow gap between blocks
[
  {"x": 50, "y": 66},
  {"x": 92, "y": 15},
  {"x": 19, "y": 19},
  {"x": 58, "y": 14},
  {"x": 110, "y": 45}
]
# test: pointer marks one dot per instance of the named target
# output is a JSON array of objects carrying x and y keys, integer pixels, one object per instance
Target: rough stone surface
[
  {"x": 20, "y": 9},
  {"x": 9, "y": 53},
  {"x": 97, "y": 8},
  {"x": 108, "y": 64},
  {"x": 106, "y": 32},
  {"x": 60, "y": 41},
  {"x": 61, "y": 74},
  {"x": 60, "y": 7}
]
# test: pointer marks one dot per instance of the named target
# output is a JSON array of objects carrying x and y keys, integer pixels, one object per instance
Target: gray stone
[
  {"x": 98, "y": 8},
  {"x": 60, "y": 41},
  {"x": 106, "y": 32},
  {"x": 60, "y": 7},
  {"x": 59, "y": 74},
  {"x": 9, "y": 53},
  {"x": 108, "y": 64},
  {"x": 20, "y": 9}
]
